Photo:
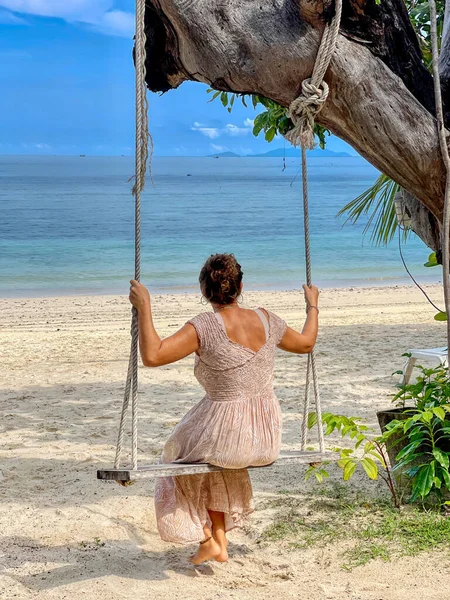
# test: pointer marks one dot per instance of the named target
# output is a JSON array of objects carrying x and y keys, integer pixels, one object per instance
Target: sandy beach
[{"x": 64, "y": 535}]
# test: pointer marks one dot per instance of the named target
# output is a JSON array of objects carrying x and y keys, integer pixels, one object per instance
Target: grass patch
[{"x": 371, "y": 527}]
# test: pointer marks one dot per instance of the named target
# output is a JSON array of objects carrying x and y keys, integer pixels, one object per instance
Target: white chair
[{"x": 436, "y": 356}]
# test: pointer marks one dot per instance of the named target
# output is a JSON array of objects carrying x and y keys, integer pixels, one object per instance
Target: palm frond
[{"x": 378, "y": 206}]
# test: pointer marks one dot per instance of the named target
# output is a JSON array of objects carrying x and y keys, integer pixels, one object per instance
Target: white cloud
[
  {"x": 249, "y": 123},
  {"x": 71, "y": 10},
  {"x": 236, "y": 131},
  {"x": 117, "y": 22},
  {"x": 210, "y": 132},
  {"x": 42, "y": 146},
  {"x": 230, "y": 129},
  {"x": 98, "y": 14}
]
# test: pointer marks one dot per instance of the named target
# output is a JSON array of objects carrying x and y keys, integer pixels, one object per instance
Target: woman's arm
[
  {"x": 304, "y": 342},
  {"x": 154, "y": 351}
]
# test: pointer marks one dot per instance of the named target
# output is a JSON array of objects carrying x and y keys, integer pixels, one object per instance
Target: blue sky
[{"x": 66, "y": 77}]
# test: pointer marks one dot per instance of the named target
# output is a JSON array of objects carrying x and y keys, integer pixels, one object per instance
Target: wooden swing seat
[{"x": 177, "y": 469}]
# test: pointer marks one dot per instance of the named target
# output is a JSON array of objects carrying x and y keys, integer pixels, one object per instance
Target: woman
[{"x": 238, "y": 422}]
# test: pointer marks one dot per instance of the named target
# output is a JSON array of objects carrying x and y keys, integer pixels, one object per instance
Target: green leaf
[
  {"x": 441, "y": 457},
  {"x": 376, "y": 205},
  {"x": 345, "y": 452},
  {"x": 437, "y": 482},
  {"x": 370, "y": 467},
  {"x": 342, "y": 463},
  {"x": 312, "y": 420},
  {"x": 368, "y": 446},
  {"x": 324, "y": 473},
  {"x": 423, "y": 482},
  {"x": 439, "y": 412},
  {"x": 408, "y": 424},
  {"x": 361, "y": 439},
  {"x": 427, "y": 416},
  {"x": 400, "y": 465},
  {"x": 270, "y": 134},
  {"x": 309, "y": 472},
  {"x": 432, "y": 261},
  {"x": 446, "y": 477},
  {"x": 224, "y": 98},
  {"x": 214, "y": 96},
  {"x": 440, "y": 316},
  {"x": 409, "y": 449},
  {"x": 349, "y": 469}
]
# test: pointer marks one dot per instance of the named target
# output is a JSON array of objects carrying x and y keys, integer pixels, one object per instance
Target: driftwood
[{"x": 381, "y": 99}]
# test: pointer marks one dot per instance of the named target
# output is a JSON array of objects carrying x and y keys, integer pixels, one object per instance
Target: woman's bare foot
[
  {"x": 206, "y": 551},
  {"x": 221, "y": 539}
]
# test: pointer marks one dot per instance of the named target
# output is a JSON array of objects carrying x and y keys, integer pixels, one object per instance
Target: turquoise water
[{"x": 67, "y": 224}]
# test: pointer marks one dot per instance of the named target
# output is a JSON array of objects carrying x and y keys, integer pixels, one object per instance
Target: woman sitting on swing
[{"x": 238, "y": 422}]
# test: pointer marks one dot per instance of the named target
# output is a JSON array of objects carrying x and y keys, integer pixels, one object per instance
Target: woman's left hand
[{"x": 139, "y": 296}]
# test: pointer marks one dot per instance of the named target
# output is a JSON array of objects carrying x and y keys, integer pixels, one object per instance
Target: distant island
[
  {"x": 288, "y": 153},
  {"x": 226, "y": 155}
]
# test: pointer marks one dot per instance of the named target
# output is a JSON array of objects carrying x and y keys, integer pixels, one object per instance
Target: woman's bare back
[{"x": 245, "y": 327}]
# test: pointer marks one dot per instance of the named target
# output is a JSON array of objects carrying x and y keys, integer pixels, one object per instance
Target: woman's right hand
[{"x": 311, "y": 295}]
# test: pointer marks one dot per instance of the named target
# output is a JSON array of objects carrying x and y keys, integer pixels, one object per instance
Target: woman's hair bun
[
  {"x": 218, "y": 263},
  {"x": 221, "y": 278}
]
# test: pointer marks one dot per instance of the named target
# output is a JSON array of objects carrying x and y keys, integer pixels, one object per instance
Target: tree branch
[{"x": 379, "y": 90}]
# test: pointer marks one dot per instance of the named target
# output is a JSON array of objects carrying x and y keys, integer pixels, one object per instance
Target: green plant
[
  {"x": 426, "y": 431},
  {"x": 431, "y": 389},
  {"x": 367, "y": 451}
]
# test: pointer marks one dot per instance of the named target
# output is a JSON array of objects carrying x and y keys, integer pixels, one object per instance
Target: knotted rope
[
  {"x": 303, "y": 111},
  {"x": 142, "y": 152},
  {"x": 315, "y": 90}
]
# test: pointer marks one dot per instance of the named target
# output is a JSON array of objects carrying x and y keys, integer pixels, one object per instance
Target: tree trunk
[
  {"x": 381, "y": 95},
  {"x": 423, "y": 222}
]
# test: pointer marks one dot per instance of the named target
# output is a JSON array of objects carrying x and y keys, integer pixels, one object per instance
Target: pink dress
[{"x": 237, "y": 424}]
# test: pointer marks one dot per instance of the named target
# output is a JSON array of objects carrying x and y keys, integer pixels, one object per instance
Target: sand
[{"x": 64, "y": 535}]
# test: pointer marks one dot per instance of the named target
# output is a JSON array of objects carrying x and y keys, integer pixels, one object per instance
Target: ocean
[{"x": 67, "y": 225}]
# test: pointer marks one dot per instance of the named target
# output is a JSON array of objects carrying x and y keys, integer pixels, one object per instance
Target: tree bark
[
  {"x": 381, "y": 96},
  {"x": 444, "y": 62},
  {"x": 423, "y": 222}
]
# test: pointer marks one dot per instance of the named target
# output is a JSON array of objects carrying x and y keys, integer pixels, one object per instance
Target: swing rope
[
  {"x": 142, "y": 152},
  {"x": 302, "y": 111}
]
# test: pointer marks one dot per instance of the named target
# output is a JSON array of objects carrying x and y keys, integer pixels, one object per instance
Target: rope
[
  {"x": 315, "y": 90},
  {"x": 446, "y": 158},
  {"x": 303, "y": 111},
  {"x": 143, "y": 140},
  {"x": 311, "y": 369}
]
